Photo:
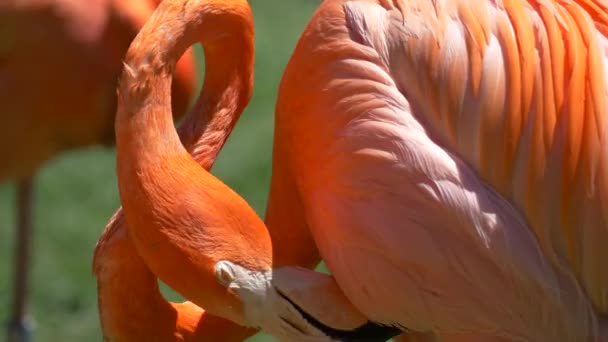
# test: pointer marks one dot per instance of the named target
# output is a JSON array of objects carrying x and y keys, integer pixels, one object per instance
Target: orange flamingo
[
  {"x": 454, "y": 183},
  {"x": 191, "y": 230},
  {"x": 59, "y": 61}
]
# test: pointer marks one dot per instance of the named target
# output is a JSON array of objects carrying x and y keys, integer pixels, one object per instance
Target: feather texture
[{"x": 457, "y": 159}]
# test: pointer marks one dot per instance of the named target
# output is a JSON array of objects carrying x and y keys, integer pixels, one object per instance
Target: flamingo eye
[{"x": 224, "y": 273}]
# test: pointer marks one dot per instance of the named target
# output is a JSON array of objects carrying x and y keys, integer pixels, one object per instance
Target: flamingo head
[{"x": 297, "y": 304}]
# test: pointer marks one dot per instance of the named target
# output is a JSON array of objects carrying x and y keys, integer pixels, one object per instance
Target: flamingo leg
[{"x": 19, "y": 329}]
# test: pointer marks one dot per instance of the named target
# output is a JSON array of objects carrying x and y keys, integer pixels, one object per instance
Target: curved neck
[
  {"x": 130, "y": 302},
  {"x": 131, "y": 306},
  {"x": 166, "y": 195},
  {"x": 144, "y": 125},
  {"x": 226, "y": 91}
]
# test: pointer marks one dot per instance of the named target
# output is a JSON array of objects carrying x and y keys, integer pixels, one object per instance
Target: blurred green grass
[{"x": 77, "y": 193}]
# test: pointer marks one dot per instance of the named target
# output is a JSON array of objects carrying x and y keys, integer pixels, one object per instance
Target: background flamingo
[
  {"x": 58, "y": 66},
  {"x": 456, "y": 157}
]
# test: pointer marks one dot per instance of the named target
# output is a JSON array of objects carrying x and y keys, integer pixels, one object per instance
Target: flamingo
[
  {"x": 59, "y": 61},
  {"x": 190, "y": 229},
  {"x": 431, "y": 216},
  {"x": 455, "y": 182}
]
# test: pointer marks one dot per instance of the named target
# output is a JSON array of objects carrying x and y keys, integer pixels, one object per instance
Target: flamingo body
[
  {"x": 423, "y": 129},
  {"x": 58, "y": 76},
  {"x": 455, "y": 182}
]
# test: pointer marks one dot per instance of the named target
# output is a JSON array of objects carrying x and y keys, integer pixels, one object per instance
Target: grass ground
[{"x": 77, "y": 192}]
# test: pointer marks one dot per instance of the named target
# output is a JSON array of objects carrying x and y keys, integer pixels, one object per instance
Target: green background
[{"x": 77, "y": 193}]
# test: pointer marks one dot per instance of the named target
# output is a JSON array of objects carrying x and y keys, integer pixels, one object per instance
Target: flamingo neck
[
  {"x": 225, "y": 94},
  {"x": 167, "y": 196},
  {"x": 131, "y": 304},
  {"x": 285, "y": 209},
  {"x": 144, "y": 124}
]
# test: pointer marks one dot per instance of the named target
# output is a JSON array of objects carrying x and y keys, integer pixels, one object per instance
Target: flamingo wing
[
  {"x": 425, "y": 130},
  {"x": 517, "y": 90}
]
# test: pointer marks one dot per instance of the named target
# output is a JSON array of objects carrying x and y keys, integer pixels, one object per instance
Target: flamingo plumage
[
  {"x": 455, "y": 183},
  {"x": 446, "y": 195},
  {"x": 59, "y": 62}
]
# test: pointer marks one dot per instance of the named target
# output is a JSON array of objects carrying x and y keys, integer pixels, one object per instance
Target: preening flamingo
[
  {"x": 59, "y": 62},
  {"x": 448, "y": 156},
  {"x": 394, "y": 178},
  {"x": 191, "y": 230}
]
